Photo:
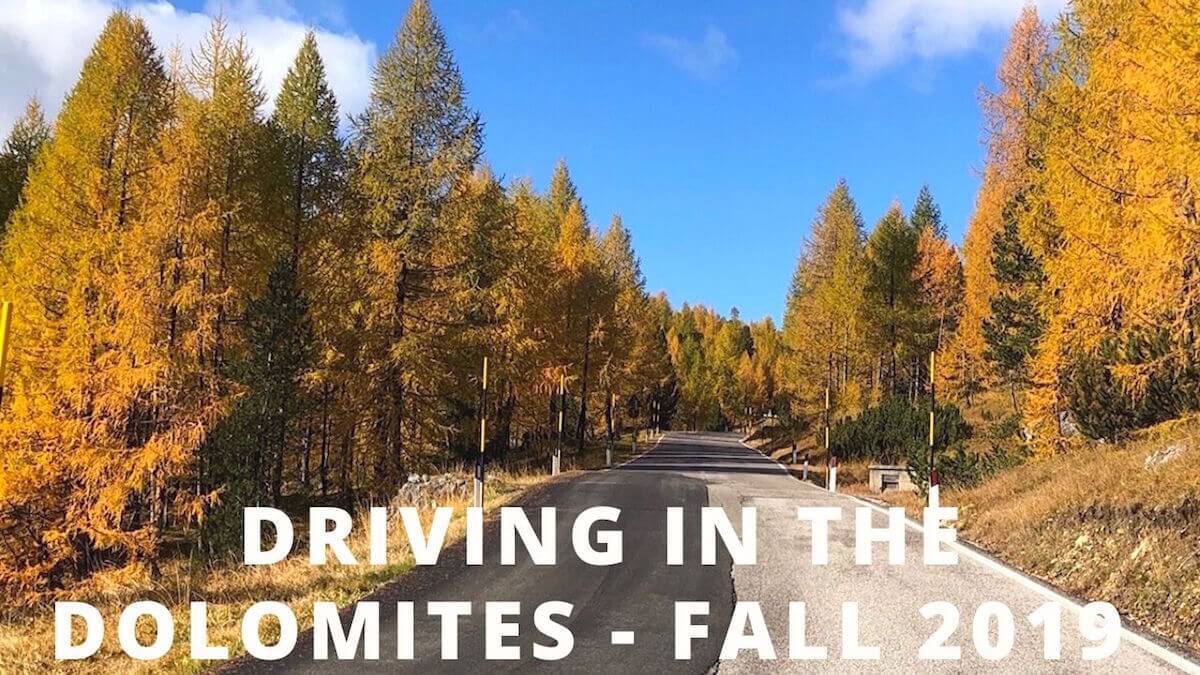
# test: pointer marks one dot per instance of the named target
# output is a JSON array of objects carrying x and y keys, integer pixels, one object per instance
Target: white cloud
[
  {"x": 886, "y": 32},
  {"x": 704, "y": 58},
  {"x": 43, "y": 44}
]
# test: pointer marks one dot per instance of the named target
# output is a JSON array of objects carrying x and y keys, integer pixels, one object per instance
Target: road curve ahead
[{"x": 638, "y": 596}]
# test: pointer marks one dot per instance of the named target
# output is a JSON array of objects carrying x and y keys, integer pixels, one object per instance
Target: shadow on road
[{"x": 702, "y": 453}]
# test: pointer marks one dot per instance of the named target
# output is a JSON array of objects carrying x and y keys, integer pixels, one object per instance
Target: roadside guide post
[
  {"x": 612, "y": 410},
  {"x": 793, "y": 452},
  {"x": 556, "y": 463},
  {"x": 833, "y": 461},
  {"x": 804, "y": 476},
  {"x": 5, "y": 324},
  {"x": 479, "y": 461},
  {"x": 934, "y": 487}
]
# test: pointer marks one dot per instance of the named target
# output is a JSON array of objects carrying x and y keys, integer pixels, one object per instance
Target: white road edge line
[{"x": 1146, "y": 644}]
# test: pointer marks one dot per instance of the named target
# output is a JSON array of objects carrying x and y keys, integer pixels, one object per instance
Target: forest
[
  {"x": 1073, "y": 296},
  {"x": 217, "y": 307},
  {"x": 219, "y": 302}
]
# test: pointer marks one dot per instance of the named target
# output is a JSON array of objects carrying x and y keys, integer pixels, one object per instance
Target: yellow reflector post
[{"x": 5, "y": 323}]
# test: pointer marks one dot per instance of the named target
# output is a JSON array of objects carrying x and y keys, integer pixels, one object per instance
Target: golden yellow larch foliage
[
  {"x": 81, "y": 435},
  {"x": 1010, "y": 163},
  {"x": 823, "y": 327},
  {"x": 214, "y": 309},
  {"x": 967, "y": 369},
  {"x": 939, "y": 273},
  {"x": 1124, "y": 163},
  {"x": 1009, "y": 112}
]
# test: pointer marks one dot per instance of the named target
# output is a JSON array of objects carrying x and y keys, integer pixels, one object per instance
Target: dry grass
[
  {"x": 1098, "y": 521},
  {"x": 852, "y": 475},
  {"x": 1101, "y": 524},
  {"x": 229, "y": 588}
]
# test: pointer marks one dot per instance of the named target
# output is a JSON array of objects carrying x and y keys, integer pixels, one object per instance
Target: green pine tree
[
  {"x": 891, "y": 293},
  {"x": 279, "y": 352},
  {"x": 28, "y": 135},
  {"x": 1016, "y": 324},
  {"x": 927, "y": 215}
]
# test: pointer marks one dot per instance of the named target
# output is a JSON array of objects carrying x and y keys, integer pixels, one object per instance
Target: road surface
[{"x": 695, "y": 470}]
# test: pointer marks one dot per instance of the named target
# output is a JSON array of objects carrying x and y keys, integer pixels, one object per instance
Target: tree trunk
[
  {"x": 583, "y": 392},
  {"x": 394, "y": 433},
  {"x": 347, "y": 467},
  {"x": 324, "y": 466},
  {"x": 306, "y": 454}
]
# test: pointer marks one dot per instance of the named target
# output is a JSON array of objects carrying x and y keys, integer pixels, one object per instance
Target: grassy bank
[
  {"x": 229, "y": 588},
  {"x": 1118, "y": 522},
  {"x": 1115, "y": 522}
]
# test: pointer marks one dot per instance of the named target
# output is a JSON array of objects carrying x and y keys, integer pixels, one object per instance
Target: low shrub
[
  {"x": 961, "y": 468},
  {"x": 894, "y": 430},
  {"x": 1103, "y": 407}
]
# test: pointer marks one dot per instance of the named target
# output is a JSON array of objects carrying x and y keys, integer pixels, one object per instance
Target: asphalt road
[
  {"x": 637, "y": 595},
  {"x": 694, "y": 470}
]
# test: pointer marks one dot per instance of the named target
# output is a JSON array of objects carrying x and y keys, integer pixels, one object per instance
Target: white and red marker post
[
  {"x": 556, "y": 461},
  {"x": 934, "y": 487},
  {"x": 831, "y": 484},
  {"x": 612, "y": 411}
]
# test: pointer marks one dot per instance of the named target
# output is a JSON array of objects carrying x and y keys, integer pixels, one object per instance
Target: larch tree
[
  {"x": 822, "y": 327},
  {"x": 207, "y": 234},
  {"x": 312, "y": 167},
  {"x": 619, "y": 341},
  {"x": 939, "y": 277},
  {"x": 563, "y": 193},
  {"x": 81, "y": 439},
  {"x": 532, "y": 317},
  {"x": 967, "y": 370},
  {"x": 475, "y": 262},
  {"x": 767, "y": 363},
  {"x": 1122, "y": 160},
  {"x": 1010, "y": 112},
  {"x": 312, "y": 233},
  {"x": 587, "y": 300},
  {"x": 728, "y": 346},
  {"x": 415, "y": 142},
  {"x": 218, "y": 310},
  {"x": 1013, "y": 137},
  {"x": 890, "y": 295}
]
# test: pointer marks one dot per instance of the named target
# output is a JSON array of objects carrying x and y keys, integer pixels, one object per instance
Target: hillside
[{"x": 1103, "y": 521}]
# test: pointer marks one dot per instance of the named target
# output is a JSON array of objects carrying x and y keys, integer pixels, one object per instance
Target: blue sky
[{"x": 714, "y": 128}]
